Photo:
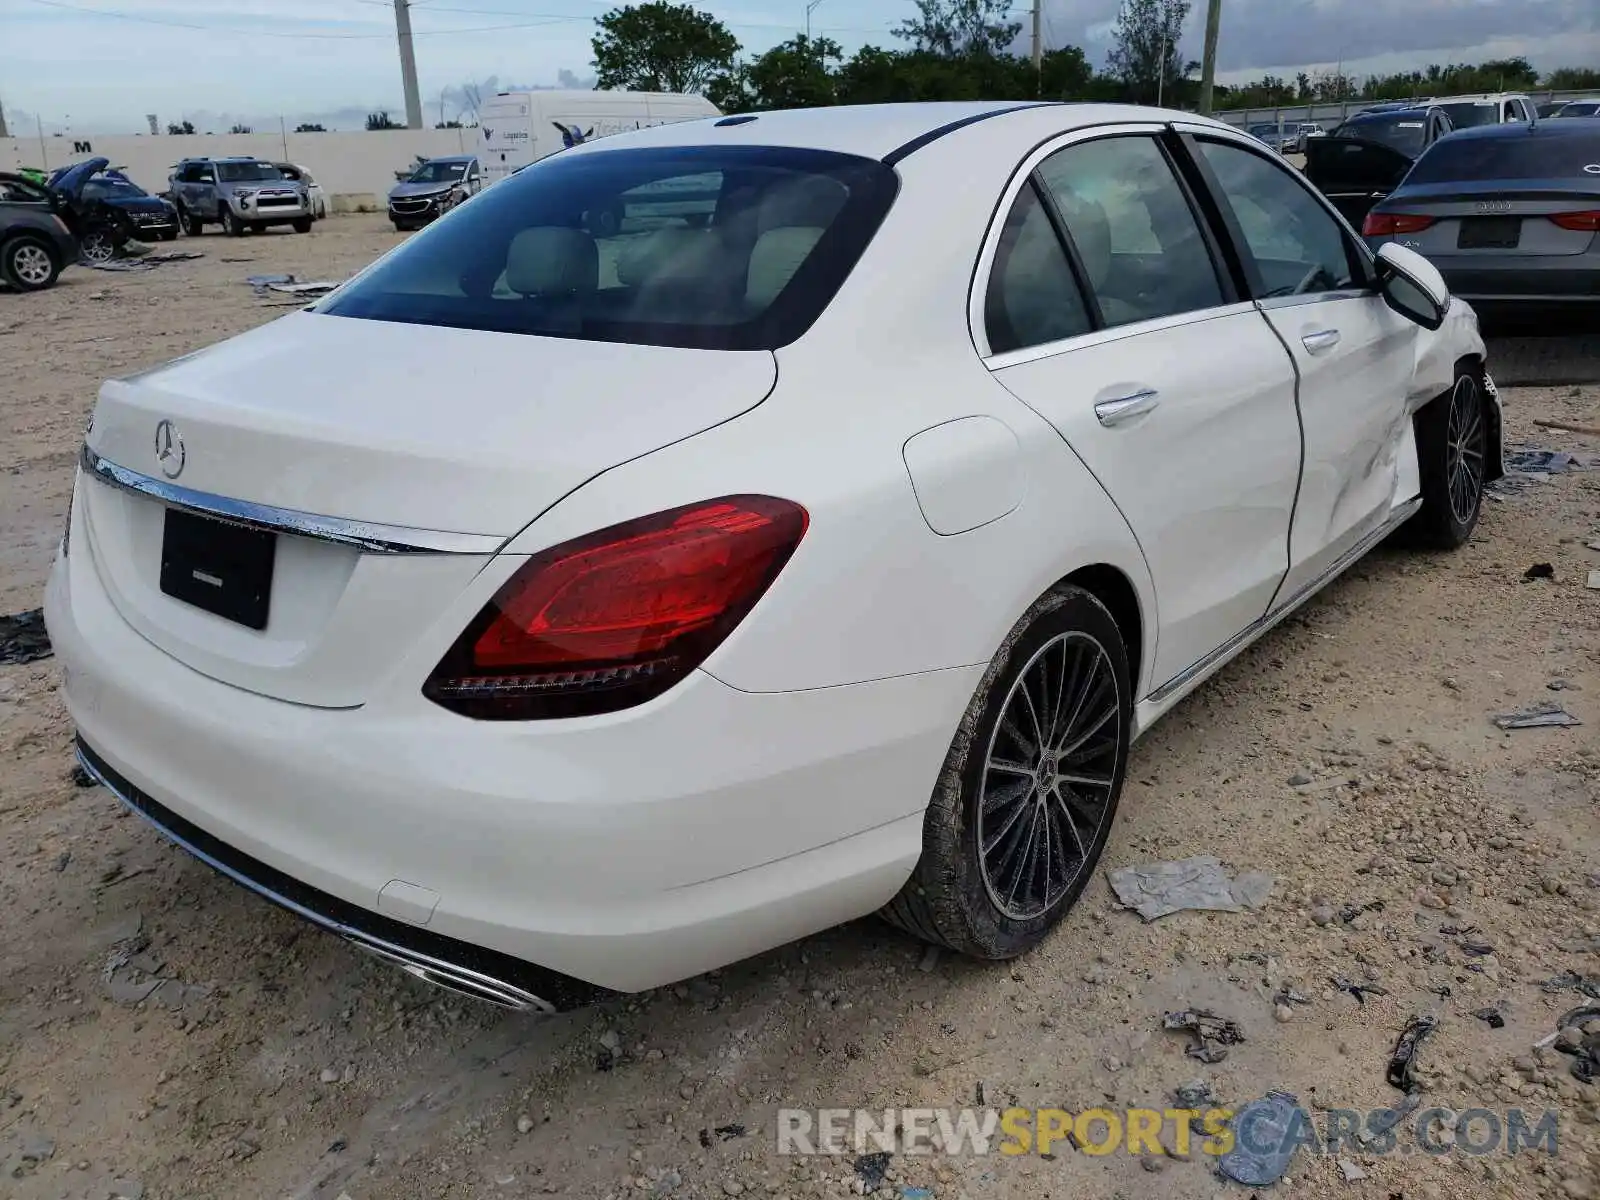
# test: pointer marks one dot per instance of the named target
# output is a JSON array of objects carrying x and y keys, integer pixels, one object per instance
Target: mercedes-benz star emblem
[{"x": 169, "y": 449}]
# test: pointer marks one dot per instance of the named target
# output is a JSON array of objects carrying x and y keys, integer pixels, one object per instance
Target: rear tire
[
  {"x": 1452, "y": 451},
  {"x": 29, "y": 263},
  {"x": 1029, "y": 791}
]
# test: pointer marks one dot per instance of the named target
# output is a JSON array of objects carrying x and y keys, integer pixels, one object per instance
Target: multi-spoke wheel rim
[
  {"x": 31, "y": 264},
  {"x": 97, "y": 246},
  {"x": 1048, "y": 778},
  {"x": 1464, "y": 450}
]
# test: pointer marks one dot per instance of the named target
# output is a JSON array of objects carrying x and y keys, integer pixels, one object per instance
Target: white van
[{"x": 517, "y": 128}]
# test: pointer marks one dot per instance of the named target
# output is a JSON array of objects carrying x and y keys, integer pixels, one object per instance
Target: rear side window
[
  {"x": 1141, "y": 247},
  {"x": 1033, "y": 298},
  {"x": 1518, "y": 154},
  {"x": 726, "y": 247},
  {"x": 1465, "y": 115}
]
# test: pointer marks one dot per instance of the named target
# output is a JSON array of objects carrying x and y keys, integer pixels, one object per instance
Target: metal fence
[{"x": 1326, "y": 114}]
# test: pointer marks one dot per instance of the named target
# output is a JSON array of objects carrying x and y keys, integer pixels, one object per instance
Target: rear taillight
[
  {"x": 1382, "y": 224},
  {"x": 615, "y": 618},
  {"x": 1579, "y": 222}
]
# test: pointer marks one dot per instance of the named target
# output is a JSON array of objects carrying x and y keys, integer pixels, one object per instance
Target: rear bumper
[
  {"x": 622, "y": 852},
  {"x": 1559, "y": 279}
]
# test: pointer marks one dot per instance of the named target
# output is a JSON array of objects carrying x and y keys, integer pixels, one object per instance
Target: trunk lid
[
  {"x": 426, "y": 428},
  {"x": 1496, "y": 217}
]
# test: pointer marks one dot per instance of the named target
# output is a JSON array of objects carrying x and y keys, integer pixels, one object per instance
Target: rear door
[
  {"x": 1106, "y": 312},
  {"x": 1354, "y": 355}
]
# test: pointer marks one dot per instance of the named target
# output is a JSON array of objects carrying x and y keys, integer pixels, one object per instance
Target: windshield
[
  {"x": 1406, "y": 134},
  {"x": 1263, "y": 130},
  {"x": 725, "y": 247},
  {"x": 438, "y": 172},
  {"x": 248, "y": 172},
  {"x": 112, "y": 189},
  {"x": 1465, "y": 116}
]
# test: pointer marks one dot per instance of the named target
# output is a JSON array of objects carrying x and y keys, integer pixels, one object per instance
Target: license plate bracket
[
  {"x": 222, "y": 568},
  {"x": 1489, "y": 233}
]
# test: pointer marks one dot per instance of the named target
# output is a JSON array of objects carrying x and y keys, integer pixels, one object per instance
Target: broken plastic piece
[
  {"x": 1212, "y": 1033},
  {"x": 1359, "y": 990},
  {"x": 1155, "y": 890},
  {"x": 1402, "y": 1064},
  {"x": 23, "y": 638},
  {"x": 1544, "y": 715},
  {"x": 1540, "y": 571},
  {"x": 1491, "y": 1017},
  {"x": 1262, "y": 1145}
]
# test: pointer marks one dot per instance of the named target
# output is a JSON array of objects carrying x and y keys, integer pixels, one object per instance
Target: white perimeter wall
[{"x": 340, "y": 162}]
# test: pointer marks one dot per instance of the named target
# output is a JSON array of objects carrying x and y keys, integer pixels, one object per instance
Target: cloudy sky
[{"x": 100, "y": 65}]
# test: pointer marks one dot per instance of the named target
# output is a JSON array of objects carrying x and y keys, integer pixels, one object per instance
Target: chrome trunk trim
[{"x": 369, "y": 536}]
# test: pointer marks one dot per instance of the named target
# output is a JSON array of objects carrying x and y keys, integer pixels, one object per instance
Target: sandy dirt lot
[{"x": 1351, "y": 755}]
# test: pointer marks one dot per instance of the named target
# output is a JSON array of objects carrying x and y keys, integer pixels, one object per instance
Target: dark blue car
[{"x": 111, "y": 209}]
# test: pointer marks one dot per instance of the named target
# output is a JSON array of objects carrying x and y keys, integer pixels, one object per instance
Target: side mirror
[{"x": 1412, "y": 286}]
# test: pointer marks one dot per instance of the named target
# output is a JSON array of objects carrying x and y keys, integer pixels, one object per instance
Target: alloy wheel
[
  {"x": 31, "y": 264},
  {"x": 1048, "y": 778},
  {"x": 99, "y": 246},
  {"x": 1464, "y": 449}
]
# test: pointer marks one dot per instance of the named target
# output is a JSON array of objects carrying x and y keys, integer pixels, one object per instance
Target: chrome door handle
[
  {"x": 1323, "y": 339},
  {"x": 1125, "y": 408}
]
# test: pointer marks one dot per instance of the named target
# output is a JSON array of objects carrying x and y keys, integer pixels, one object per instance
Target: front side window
[
  {"x": 1032, "y": 298},
  {"x": 1297, "y": 245},
  {"x": 726, "y": 247},
  {"x": 1466, "y": 114},
  {"x": 1140, "y": 244}
]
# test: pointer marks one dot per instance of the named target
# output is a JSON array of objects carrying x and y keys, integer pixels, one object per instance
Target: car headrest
[
  {"x": 777, "y": 255},
  {"x": 812, "y": 201},
  {"x": 552, "y": 260},
  {"x": 665, "y": 255}
]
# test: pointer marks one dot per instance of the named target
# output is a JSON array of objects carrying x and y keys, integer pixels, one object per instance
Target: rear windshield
[
  {"x": 1465, "y": 116},
  {"x": 1406, "y": 135},
  {"x": 1521, "y": 155},
  {"x": 725, "y": 247}
]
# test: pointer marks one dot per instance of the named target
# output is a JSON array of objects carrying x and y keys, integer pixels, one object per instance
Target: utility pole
[
  {"x": 2, "y": 120},
  {"x": 1208, "y": 66},
  {"x": 408, "y": 64},
  {"x": 1161, "y": 68},
  {"x": 1038, "y": 41}
]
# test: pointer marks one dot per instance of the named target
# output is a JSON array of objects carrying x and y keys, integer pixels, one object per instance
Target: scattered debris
[
  {"x": 82, "y": 778},
  {"x": 1379, "y": 1124},
  {"x": 1540, "y": 571},
  {"x": 147, "y": 262},
  {"x": 1574, "y": 1038},
  {"x": 1593, "y": 582},
  {"x": 1572, "y": 981},
  {"x": 1529, "y": 466},
  {"x": 1262, "y": 1123},
  {"x": 1196, "y": 1093},
  {"x": 23, "y": 638},
  {"x": 871, "y": 1169},
  {"x": 725, "y": 1133},
  {"x": 1591, "y": 430},
  {"x": 1491, "y": 1017},
  {"x": 1352, "y": 1172},
  {"x": 133, "y": 976},
  {"x": 1212, "y": 1033},
  {"x": 930, "y": 959},
  {"x": 1544, "y": 715},
  {"x": 261, "y": 281},
  {"x": 290, "y": 285},
  {"x": 1359, "y": 990},
  {"x": 1402, "y": 1062},
  {"x": 1156, "y": 889}
]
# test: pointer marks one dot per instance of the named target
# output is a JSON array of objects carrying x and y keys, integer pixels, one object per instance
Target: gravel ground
[{"x": 275, "y": 1061}]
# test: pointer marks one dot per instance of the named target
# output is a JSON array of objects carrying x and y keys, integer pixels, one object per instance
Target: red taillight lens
[
  {"x": 1391, "y": 224},
  {"x": 615, "y": 618},
  {"x": 1579, "y": 222}
]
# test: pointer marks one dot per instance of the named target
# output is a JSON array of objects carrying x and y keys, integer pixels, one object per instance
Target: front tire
[
  {"x": 231, "y": 225},
  {"x": 169, "y": 235},
  {"x": 303, "y": 225},
  {"x": 1452, "y": 451},
  {"x": 99, "y": 243},
  {"x": 1029, "y": 790},
  {"x": 192, "y": 225}
]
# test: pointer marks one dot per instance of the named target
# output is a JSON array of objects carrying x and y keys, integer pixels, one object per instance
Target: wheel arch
[
  {"x": 1111, "y": 586},
  {"x": 1476, "y": 364}
]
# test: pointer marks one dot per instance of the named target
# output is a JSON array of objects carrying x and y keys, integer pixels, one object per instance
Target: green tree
[
  {"x": 1573, "y": 79},
  {"x": 662, "y": 47},
  {"x": 176, "y": 130},
  {"x": 241, "y": 129},
  {"x": 382, "y": 120},
  {"x": 308, "y": 127},
  {"x": 1146, "y": 56},
  {"x": 795, "y": 74},
  {"x": 955, "y": 28}
]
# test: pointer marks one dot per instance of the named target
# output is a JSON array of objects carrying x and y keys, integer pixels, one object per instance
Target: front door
[
  {"x": 1173, "y": 391},
  {"x": 1355, "y": 356}
]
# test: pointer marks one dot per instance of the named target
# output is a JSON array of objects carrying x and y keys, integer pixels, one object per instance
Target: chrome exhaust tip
[{"x": 453, "y": 978}]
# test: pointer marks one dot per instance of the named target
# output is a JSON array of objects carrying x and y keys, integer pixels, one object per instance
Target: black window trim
[
  {"x": 1091, "y": 306},
  {"x": 1363, "y": 267}
]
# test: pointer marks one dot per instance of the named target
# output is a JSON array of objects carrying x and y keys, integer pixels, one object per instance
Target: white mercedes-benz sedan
[{"x": 836, "y": 497}]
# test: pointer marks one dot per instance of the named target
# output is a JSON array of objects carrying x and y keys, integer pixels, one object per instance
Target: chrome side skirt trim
[
  {"x": 368, "y": 536},
  {"x": 1193, "y": 673},
  {"x": 422, "y": 966}
]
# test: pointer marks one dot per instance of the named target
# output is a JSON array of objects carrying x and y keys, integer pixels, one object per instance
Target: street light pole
[
  {"x": 1038, "y": 40},
  {"x": 408, "y": 64},
  {"x": 811, "y": 7}
]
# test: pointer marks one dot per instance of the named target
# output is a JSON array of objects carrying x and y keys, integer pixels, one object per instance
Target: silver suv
[{"x": 240, "y": 194}]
